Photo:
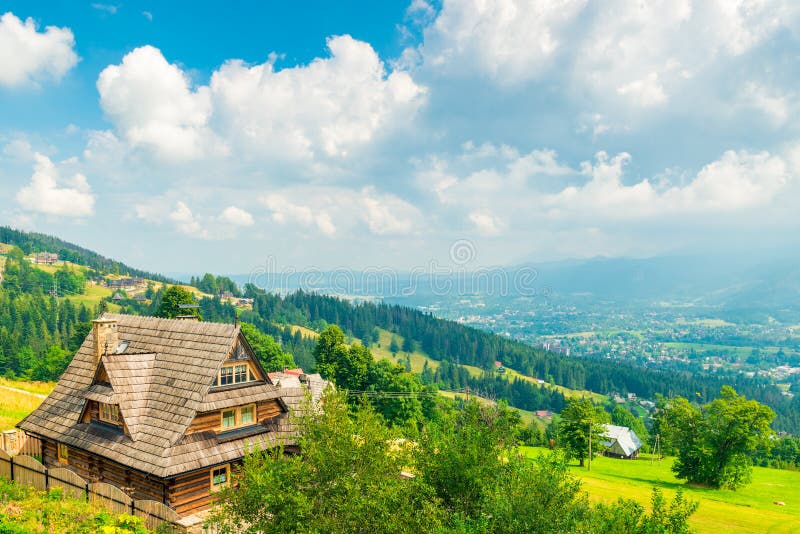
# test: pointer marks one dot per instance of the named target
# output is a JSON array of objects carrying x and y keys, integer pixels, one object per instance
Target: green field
[
  {"x": 15, "y": 405},
  {"x": 750, "y": 509}
]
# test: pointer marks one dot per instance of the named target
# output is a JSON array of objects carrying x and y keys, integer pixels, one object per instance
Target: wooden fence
[
  {"x": 17, "y": 442},
  {"x": 28, "y": 471}
]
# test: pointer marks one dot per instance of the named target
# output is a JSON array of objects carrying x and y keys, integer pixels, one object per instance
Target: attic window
[
  {"x": 238, "y": 417},
  {"x": 234, "y": 374},
  {"x": 123, "y": 345},
  {"x": 109, "y": 413}
]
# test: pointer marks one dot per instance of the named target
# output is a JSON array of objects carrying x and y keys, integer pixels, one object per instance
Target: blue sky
[{"x": 191, "y": 136}]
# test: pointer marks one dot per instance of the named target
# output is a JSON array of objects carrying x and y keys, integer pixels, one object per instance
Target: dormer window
[
  {"x": 234, "y": 374},
  {"x": 238, "y": 417},
  {"x": 109, "y": 413}
]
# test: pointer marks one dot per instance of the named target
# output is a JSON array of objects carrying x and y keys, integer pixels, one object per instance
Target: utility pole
[{"x": 589, "y": 465}]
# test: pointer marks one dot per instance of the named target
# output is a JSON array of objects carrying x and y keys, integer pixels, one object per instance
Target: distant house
[
  {"x": 545, "y": 414},
  {"x": 246, "y": 303},
  {"x": 621, "y": 442},
  {"x": 45, "y": 258},
  {"x": 125, "y": 283},
  {"x": 117, "y": 297},
  {"x": 165, "y": 409}
]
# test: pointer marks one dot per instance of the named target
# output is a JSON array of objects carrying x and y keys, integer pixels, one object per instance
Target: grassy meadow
[
  {"x": 15, "y": 405},
  {"x": 749, "y": 509}
]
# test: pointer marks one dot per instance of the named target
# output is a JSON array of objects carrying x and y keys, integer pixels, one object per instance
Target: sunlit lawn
[
  {"x": 749, "y": 509},
  {"x": 14, "y": 405}
]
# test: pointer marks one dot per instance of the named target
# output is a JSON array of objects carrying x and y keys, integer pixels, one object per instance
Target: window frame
[
  {"x": 237, "y": 417},
  {"x": 252, "y": 409},
  {"x": 219, "y": 486},
  {"x": 229, "y": 376},
  {"x": 62, "y": 452},
  {"x": 114, "y": 417},
  {"x": 222, "y": 424}
]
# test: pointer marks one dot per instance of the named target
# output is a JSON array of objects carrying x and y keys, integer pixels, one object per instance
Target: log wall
[
  {"x": 211, "y": 421},
  {"x": 97, "y": 469}
]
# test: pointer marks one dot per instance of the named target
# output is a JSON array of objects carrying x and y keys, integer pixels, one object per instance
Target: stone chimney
[{"x": 105, "y": 336}]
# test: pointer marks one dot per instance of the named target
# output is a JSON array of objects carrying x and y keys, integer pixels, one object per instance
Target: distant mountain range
[{"x": 755, "y": 283}]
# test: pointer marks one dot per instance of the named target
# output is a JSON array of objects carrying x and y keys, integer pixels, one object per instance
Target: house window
[
  {"x": 238, "y": 417},
  {"x": 110, "y": 413},
  {"x": 63, "y": 453},
  {"x": 228, "y": 419},
  {"x": 234, "y": 374},
  {"x": 239, "y": 374},
  {"x": 247, "y": 414},
  {"x": 220, "y": 477},
  {"x": 226, "y": 376}
]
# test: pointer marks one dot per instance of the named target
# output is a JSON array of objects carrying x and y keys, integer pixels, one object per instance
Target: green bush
[{"x": 24, "y": 510}]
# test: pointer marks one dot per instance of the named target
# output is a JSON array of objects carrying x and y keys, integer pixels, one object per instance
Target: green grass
[
  {"x": 749, "y": 509},
  {"x": 38, "y": 388},
  {"x": 15, "y": 405},
  {"x": 24, "y": 510},
  {"x": 380, "y": 351},
  {"x": 304, "y": 332}
]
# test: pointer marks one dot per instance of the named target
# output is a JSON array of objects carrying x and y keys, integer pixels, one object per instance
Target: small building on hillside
[
  {"x": 165, "y": 409},
  {"x": 45, "y": 258},
  {"x": 621, "y": 442}
]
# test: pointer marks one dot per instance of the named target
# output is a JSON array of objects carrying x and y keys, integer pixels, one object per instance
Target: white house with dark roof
[{"x": 621, "y": 442}]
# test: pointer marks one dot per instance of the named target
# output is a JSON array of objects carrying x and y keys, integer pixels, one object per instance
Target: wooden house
[
  {"x": 164, "y": 408},
  {"x": 620, "y": 442}
]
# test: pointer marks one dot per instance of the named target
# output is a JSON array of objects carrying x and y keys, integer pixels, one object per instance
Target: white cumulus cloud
[
  {"x": 284, "y": 211},
  {"x": 507, "y": 40},
  {"x": 323, "y": 109},
  {"x": 236, "y": 217},
  {"x": 29, "y": 56},
  {"x": 152, "y": 105},
  {"x": 49, "y": 194},
  {"x": 326, "y": 107}
]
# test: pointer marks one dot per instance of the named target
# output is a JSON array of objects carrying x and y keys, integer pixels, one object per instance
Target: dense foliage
[
  {"x": 784, "y": 454},
  {"x": 24, "y": 510},
  {"x": 173, "y": 301},
  {"x": 215, "y": 285},
  {"x": 267, "y": 350},
  {"x": 21, "y": 277},
  {"x": 38, "y": 333},
  {"x": 715, "y": 442},
  {"x": 397, "y": 395},
  {"x": 463, "y": 474}
]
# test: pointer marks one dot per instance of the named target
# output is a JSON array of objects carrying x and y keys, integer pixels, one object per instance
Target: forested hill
[
  {"x": 38, "y": 334},
  {"x": 31, "y": 242},
  {"x": 456, "y": 343}
]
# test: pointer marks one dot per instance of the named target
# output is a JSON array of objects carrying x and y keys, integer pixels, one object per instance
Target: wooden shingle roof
[{"x": 161, "y": 380}]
